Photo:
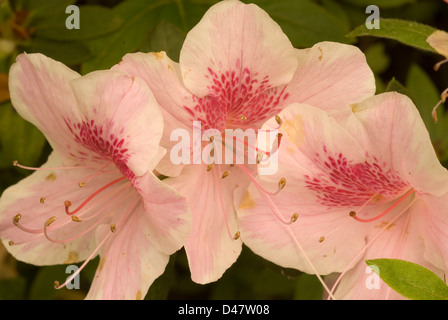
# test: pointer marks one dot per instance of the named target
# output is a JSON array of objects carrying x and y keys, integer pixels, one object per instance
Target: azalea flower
[
  {"x": 96, "y": 193},
  {"x": 236, "y": 70},
  {"x": 369, "y": 188}
]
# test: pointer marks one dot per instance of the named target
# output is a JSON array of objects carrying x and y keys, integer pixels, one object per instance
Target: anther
[
  {"x": 352, "y": 214},
  {"x": 15, "y": 163},
  {"x": 42, "y": 200},
  {"x": 225, "y": 174},
  {"x": 113, "y": 228},
  {"x": 278, "y": 119},
  {"x": 82, "y": 184},
  {"x": 209, "y": 167},
  {"x": 11, "y": 243},
  {"x": 50, "y": 221},
  {"x": 76, "y": 219},
  {"x": 237, "y": 235},
  {"x": 321, "y": 239},
  {"x": 294, "y": 217},
  {"x": 243, "y": 117},
  {"x": 56, "y": 284},
  {"x": 281, "y": 183},
  {"x": 260, "y": 156},
  {"x": 212, "y": 138},
  {"x": 17, "y": 218}
]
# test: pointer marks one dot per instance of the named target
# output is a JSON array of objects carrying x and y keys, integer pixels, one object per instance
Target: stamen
[
  {"x": 354, "y": 215},
  {"x": 69, "y": 279},
  {"x": 225, "y": 174},
  {"x": 50, "y": 221},
  {"x": 281, "y": 184},
  {"x": 237, "y": 235},
  {"x": 443, "y": 98},
  {"x": 439, "y": 64},
  {"x": 17, "y": 218},
  {"x": 67, "y": 203},
  {"x": 356, "y": 257},
  {"x": 82, "y": 184},
  {"x": 76, "y": 219},
  {"x": 221, "y": 202},
  {"x": 278, "y": 120},
  {"x": 294, "y": 217},
  {"x": 42, "y": 200},
  {"x": 16, "y": 163},
  {"x": 209, "y": 167}
]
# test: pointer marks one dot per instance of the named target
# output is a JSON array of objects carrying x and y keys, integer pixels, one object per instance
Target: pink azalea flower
[
  {"x": 369, "y": 188},
  {"x": 237, "y": 69},
  {"x": 96, "y": 193}
]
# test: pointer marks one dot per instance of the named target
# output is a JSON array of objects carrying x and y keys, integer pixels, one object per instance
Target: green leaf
[
  {"x": 19, "y": 139},
  {"x": 308, "y": 287},
  {"x": 67, "y": 52},
  {"x": 94, "y": 20},
  {"x": 12, "y": 289},
  {"x": 305, "y": 22},
  {"x": 377, "y": 59},
  {"x": 409, "y": 279},
  {"x": 407, "y": 32},
  {"x": 395, "y": 85},
  {"x": 165, "y": 37},
  {"x": 383, "y": 4},
  {"x": 140, "y": 17},
  {"x": 426, "y": 95}
]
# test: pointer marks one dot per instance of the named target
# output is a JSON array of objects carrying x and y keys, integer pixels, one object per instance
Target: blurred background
[{"x": 111, "y": 28}]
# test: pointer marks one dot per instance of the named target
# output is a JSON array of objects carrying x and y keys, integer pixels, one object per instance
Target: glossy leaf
[
  {"x": 407, "y": 32},
  {"x": 95, "y": 21},
  {"x": 409, "y": 279}
]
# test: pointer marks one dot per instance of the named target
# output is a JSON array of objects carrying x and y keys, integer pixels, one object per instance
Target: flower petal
[
  {"x": 210, "y": 249},
  {"x": 400, "y": 240},
  {"x": 328, "y": 239},
  {"x": 389, "y": 127},
  {"x": 237, "y": 43},
  {"x": 121, "y": 120},
  {"x": 331, "y": 76},
  {"x": 40, "y": 92},
  {"x": 162, "y": 75},
  {"x": 167, "y": 215},
  {"x": 439, "y": 41},
  {"x": 129, "y": 262}
]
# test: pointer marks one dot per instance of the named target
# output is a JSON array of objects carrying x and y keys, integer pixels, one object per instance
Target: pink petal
[
  {"x": 167, "y": 215},
  {"x": 210, "y": 249},
  {"x": 121, "y": 121},
  {"x": 328, "y": 238},
  {"x": 331, "y": 76},
  {"x": 433, "y": 212},
  {"x": 129, "y": 262},
  {"x": 402, "y": 239},
  {"x": 41, "y": 196},
  {"x": 40, "y": 93},
  {"x": 391, "y": 121},
  {"x": 162, "y": 75},
  {"x": 240, "y": 43}
]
